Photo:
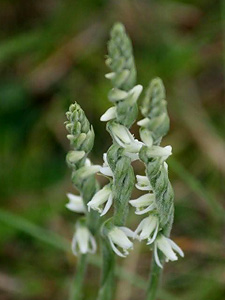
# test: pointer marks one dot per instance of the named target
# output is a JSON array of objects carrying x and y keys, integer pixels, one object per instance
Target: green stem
[
  {"x": 106, "y": 291},
  {"x": 76, "y": 291},
  {"x": 154, "y": 281}
]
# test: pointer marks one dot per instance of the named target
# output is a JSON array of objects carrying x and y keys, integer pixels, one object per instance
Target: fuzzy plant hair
[{"x": 157, "y": 204}]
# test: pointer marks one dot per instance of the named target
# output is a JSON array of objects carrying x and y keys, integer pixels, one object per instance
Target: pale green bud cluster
[
  {"x": 124, "y": 94},
  {"x": 81, "y": 134},
  {"x": 156, "y": 123}
]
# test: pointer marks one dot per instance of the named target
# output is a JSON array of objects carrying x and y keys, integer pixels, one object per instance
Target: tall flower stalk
[
  {"x": 117, "y": 160},
  {"x": 157, "y": 226},
  {"x": 81, "y": 137}
]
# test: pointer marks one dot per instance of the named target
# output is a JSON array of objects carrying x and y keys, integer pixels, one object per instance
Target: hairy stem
[{"x": 154, "y": 281}]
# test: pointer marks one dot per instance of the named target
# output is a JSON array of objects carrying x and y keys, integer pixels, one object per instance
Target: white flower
[
  {"x": 105, "y": 169},
  {"x": 118, "y": 237},
  {"x": 109, "y": 114},
  {"x": 75, "y": 203},
  {"x": 89, "y": 170},
  {"x": 100, "y": 198},
  {"x": 148, "y": 229},
  {"x": 168, "y": 248},
  {"x": 83, "y": 241},
  {"x": 157, "y": 151},
  {"x": 125, "y": 139},
  {"x": 143, "y": 183},
  {"x": 144, "y": 203}
]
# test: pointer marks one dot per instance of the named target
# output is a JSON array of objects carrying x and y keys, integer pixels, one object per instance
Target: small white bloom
[
  {"x": 135, "y": 92},
  {"x": 168, "y": 248},
  {"x": 143, "y": 183},
  {"x": 157, "y": 151},
  {"x": 89, "y": 170},
  {"x": 75, "y": 203},
  {"x": 109, "y": 114},
  {"x": 144, "y": 204},
  {"x": 125, "y": 139},
  {"x": 100, "y": 198},
  {"x": 83, "y": 241},
  {"x": 105, "y": 169},
  {"x": 110, "y": 75},
  {"x": 118, "y": 237},
  {"x": 87, "y": 162},
  {"x": 148, "y": 229},
  {"x": 144, "y": 122}
]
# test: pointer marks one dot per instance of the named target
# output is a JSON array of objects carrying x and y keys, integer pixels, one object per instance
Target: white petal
[
  {"x": 82, "y": 235},
  {"x": 127, "y": 231},
  {"x": 108, "y": 205},
  {"x": 76, "y": 203},
  {"x": 138, "y": 229},
  {"x": 150, "y": 241},
  {"x": 143, "y": 200},
  {"x": 110, "y": 75},
  {"x": 176, "y": 247},
  {"x": 157, "y": 151},
  {"x": 144, "y": 211},
  {"x": 99, "y": 198},
  {"x": 115, "y": 249},
  {"x": 87, "y": 162},
  {"x": 109, "y": 114},
  {"x": 166, "y": 248},
  {"x": 88, "y": 171},
  {"x": 106, "y": 171},
  {"x": 119, "y": 238},
  {"x": 144, "y": 122},
  {"x": 136, "y": 91},
  {"x": 157, "y": 257}
]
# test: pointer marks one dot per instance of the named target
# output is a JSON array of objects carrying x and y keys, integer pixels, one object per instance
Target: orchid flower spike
[
  {"x": 105, "y": 169},
  {"x": 168, "y": 248},
  {"x": 144, "y": 204},
  {"x": 75, "y": 203},
  {"x": 83, "y": 241},
  {"x": 104, "y": 196},
  {"x": 118, "y": 237},
  {"x": 148, "y": 229},
  {"x": 143, "y": 183},
  {"x": 125, "y": 139}
]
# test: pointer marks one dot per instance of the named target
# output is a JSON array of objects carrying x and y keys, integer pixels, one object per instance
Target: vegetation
[{"x": 51, "y": 55}]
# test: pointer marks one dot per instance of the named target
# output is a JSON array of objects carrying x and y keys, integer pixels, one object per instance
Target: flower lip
[
  {"x": 125, "y": 139},
  {"x": 143, "y": 183},
  {"x": 168, "y": 248},
  {"x": 148, "y": 229},
  {"x": 144, "y": 203},
  {"x": 100, "y": 198},
  {"x": 118, "y": 238}
]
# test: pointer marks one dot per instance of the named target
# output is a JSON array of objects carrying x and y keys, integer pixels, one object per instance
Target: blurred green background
[{"x": 52, "y": 54}]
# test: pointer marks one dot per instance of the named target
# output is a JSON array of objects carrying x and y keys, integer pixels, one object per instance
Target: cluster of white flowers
[
  {"x": 149, "y": 228},
  {"x": 83, "y": 241}
]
